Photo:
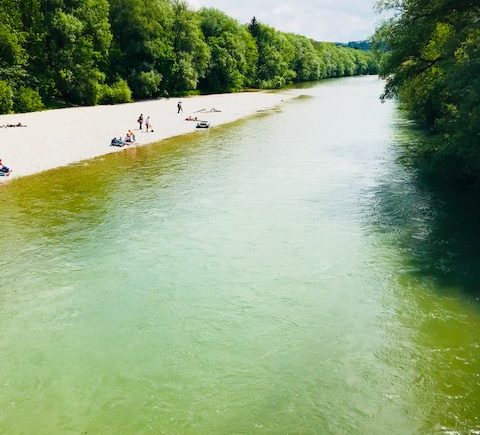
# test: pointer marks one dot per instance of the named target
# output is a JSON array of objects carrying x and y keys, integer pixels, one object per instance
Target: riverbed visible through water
[{"x": 284, "y": 274}]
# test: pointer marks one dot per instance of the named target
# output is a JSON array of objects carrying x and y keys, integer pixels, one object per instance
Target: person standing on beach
[
  {"x": 179, "y": 107},
  {"x": 147, "y": 124},
  {"x": 140, "y": 121}
]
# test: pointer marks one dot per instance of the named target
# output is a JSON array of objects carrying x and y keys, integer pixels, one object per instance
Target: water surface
[{"x": 286, "y": 274}]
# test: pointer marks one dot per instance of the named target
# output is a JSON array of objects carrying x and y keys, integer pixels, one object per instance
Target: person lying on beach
[
  {"x": 12, "y": 125},
  {"x": 191, "y": 118},
  {"x": 4, "y": 169},
  {"x": 117, "y": 142}
]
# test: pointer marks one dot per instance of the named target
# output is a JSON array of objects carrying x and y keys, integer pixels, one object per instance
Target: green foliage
[
  {"x": 147, "y": 84},
  {"x": 13, "y": 56},
  {"x": 107, "y": 51},
  {"x": 276, "y": 57},
  {"x": 27, "y": 100},
  {"x": 191, "y": 52},
  {"x": 80, "y": 41},
  {"x": 115, "y": 94},
  {"x": 142, "y": 44},
  {"x": 306, "y": 63},
  {"x": 233, "y": 53},
  {"x": 11, "y": 50},
  {"x": 432, "y": 65},
  {"x": 6, "y": 97}
]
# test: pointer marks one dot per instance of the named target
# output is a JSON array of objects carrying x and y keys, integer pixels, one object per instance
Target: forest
[
  {"x": 431, "y": 63},
  {"x": 56, "y": 53}
]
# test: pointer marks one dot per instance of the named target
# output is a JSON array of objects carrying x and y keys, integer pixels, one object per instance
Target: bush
[
  {"x": 115, "y": 94},
  {"x": 276, "y": 82},
  {"x": 27, "y": 100},
  {"x": 147, "y": 84},
  {"x": 6, "y": 97}
]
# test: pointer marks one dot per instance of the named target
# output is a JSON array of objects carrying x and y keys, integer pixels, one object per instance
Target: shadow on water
[{"x": 435, "y": 226}]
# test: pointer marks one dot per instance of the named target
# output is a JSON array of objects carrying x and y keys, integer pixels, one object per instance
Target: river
[{"x": 284, "y": 274}]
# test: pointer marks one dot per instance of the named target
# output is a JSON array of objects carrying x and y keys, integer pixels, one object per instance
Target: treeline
[
  {"x": 359, "y": 45},
  {"x": 87, "y": 52},
  {"x": 432, "y": 63}
]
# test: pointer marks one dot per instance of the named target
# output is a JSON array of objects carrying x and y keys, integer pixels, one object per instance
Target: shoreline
[{"x": 61, "y": 137}]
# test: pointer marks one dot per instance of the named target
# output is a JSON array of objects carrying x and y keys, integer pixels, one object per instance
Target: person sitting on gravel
[{"x": 117, "y": 142}]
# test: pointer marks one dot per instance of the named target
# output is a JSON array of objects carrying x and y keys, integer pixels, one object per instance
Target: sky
[{"x": 322, "y": 20}]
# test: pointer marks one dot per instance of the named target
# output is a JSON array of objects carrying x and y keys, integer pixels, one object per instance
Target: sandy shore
[{"x": 60, "y": 137}]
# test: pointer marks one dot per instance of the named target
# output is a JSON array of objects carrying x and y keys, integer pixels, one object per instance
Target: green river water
[{"x": 284, "y": 274}]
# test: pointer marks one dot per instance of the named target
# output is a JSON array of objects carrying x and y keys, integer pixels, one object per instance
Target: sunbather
[
  {"x": 4, "y": 169},
  {"x": 117, "y": 142}
]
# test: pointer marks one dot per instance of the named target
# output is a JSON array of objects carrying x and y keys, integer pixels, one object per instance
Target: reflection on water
[
  {"x": 437, "y": 288},
  {"x": 436, "y": 227},
  {"x": 282, "y": 275}
]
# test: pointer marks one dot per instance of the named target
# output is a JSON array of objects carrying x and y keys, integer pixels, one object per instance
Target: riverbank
[{"x": 61, "y": 137}]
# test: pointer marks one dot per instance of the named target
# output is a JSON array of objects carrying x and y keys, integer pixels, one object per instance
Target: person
[
  {"x": 147, "y": 124},
  {"x": 179, "y": 107},
  {"x": 15, "y": 125},
  {"x": 117, "y": 142},
  {"x": 132, "y": 135},
  {"x": 128, "y": 138},
  {"x": 140, "y": 121},
  {"x": 4, "y": 169}
]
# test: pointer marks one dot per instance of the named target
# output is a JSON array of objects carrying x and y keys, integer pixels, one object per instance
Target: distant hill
[{"x": 358, "y": 45}]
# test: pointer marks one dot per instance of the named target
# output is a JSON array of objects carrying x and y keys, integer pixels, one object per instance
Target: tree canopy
[
  {"x": 432, "y": 63},
  {"x": 85, "y": 52}
]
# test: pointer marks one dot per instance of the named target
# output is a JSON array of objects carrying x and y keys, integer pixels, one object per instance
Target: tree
[
  {"x": 306, "y": 63},
  {"x": 233, "y": 52},
  {"x": 191, "y": 52},
  {"x": 108, "y": 51},
  {"x": 13, "y": 56},
  {"x": 142, "y": 52},
  {"x": 275, "y": 58},
  {"x": 432, "y": 65}
]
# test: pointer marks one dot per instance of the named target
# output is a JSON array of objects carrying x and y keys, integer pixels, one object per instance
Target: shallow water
[{"x": 285, "y": 274}]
